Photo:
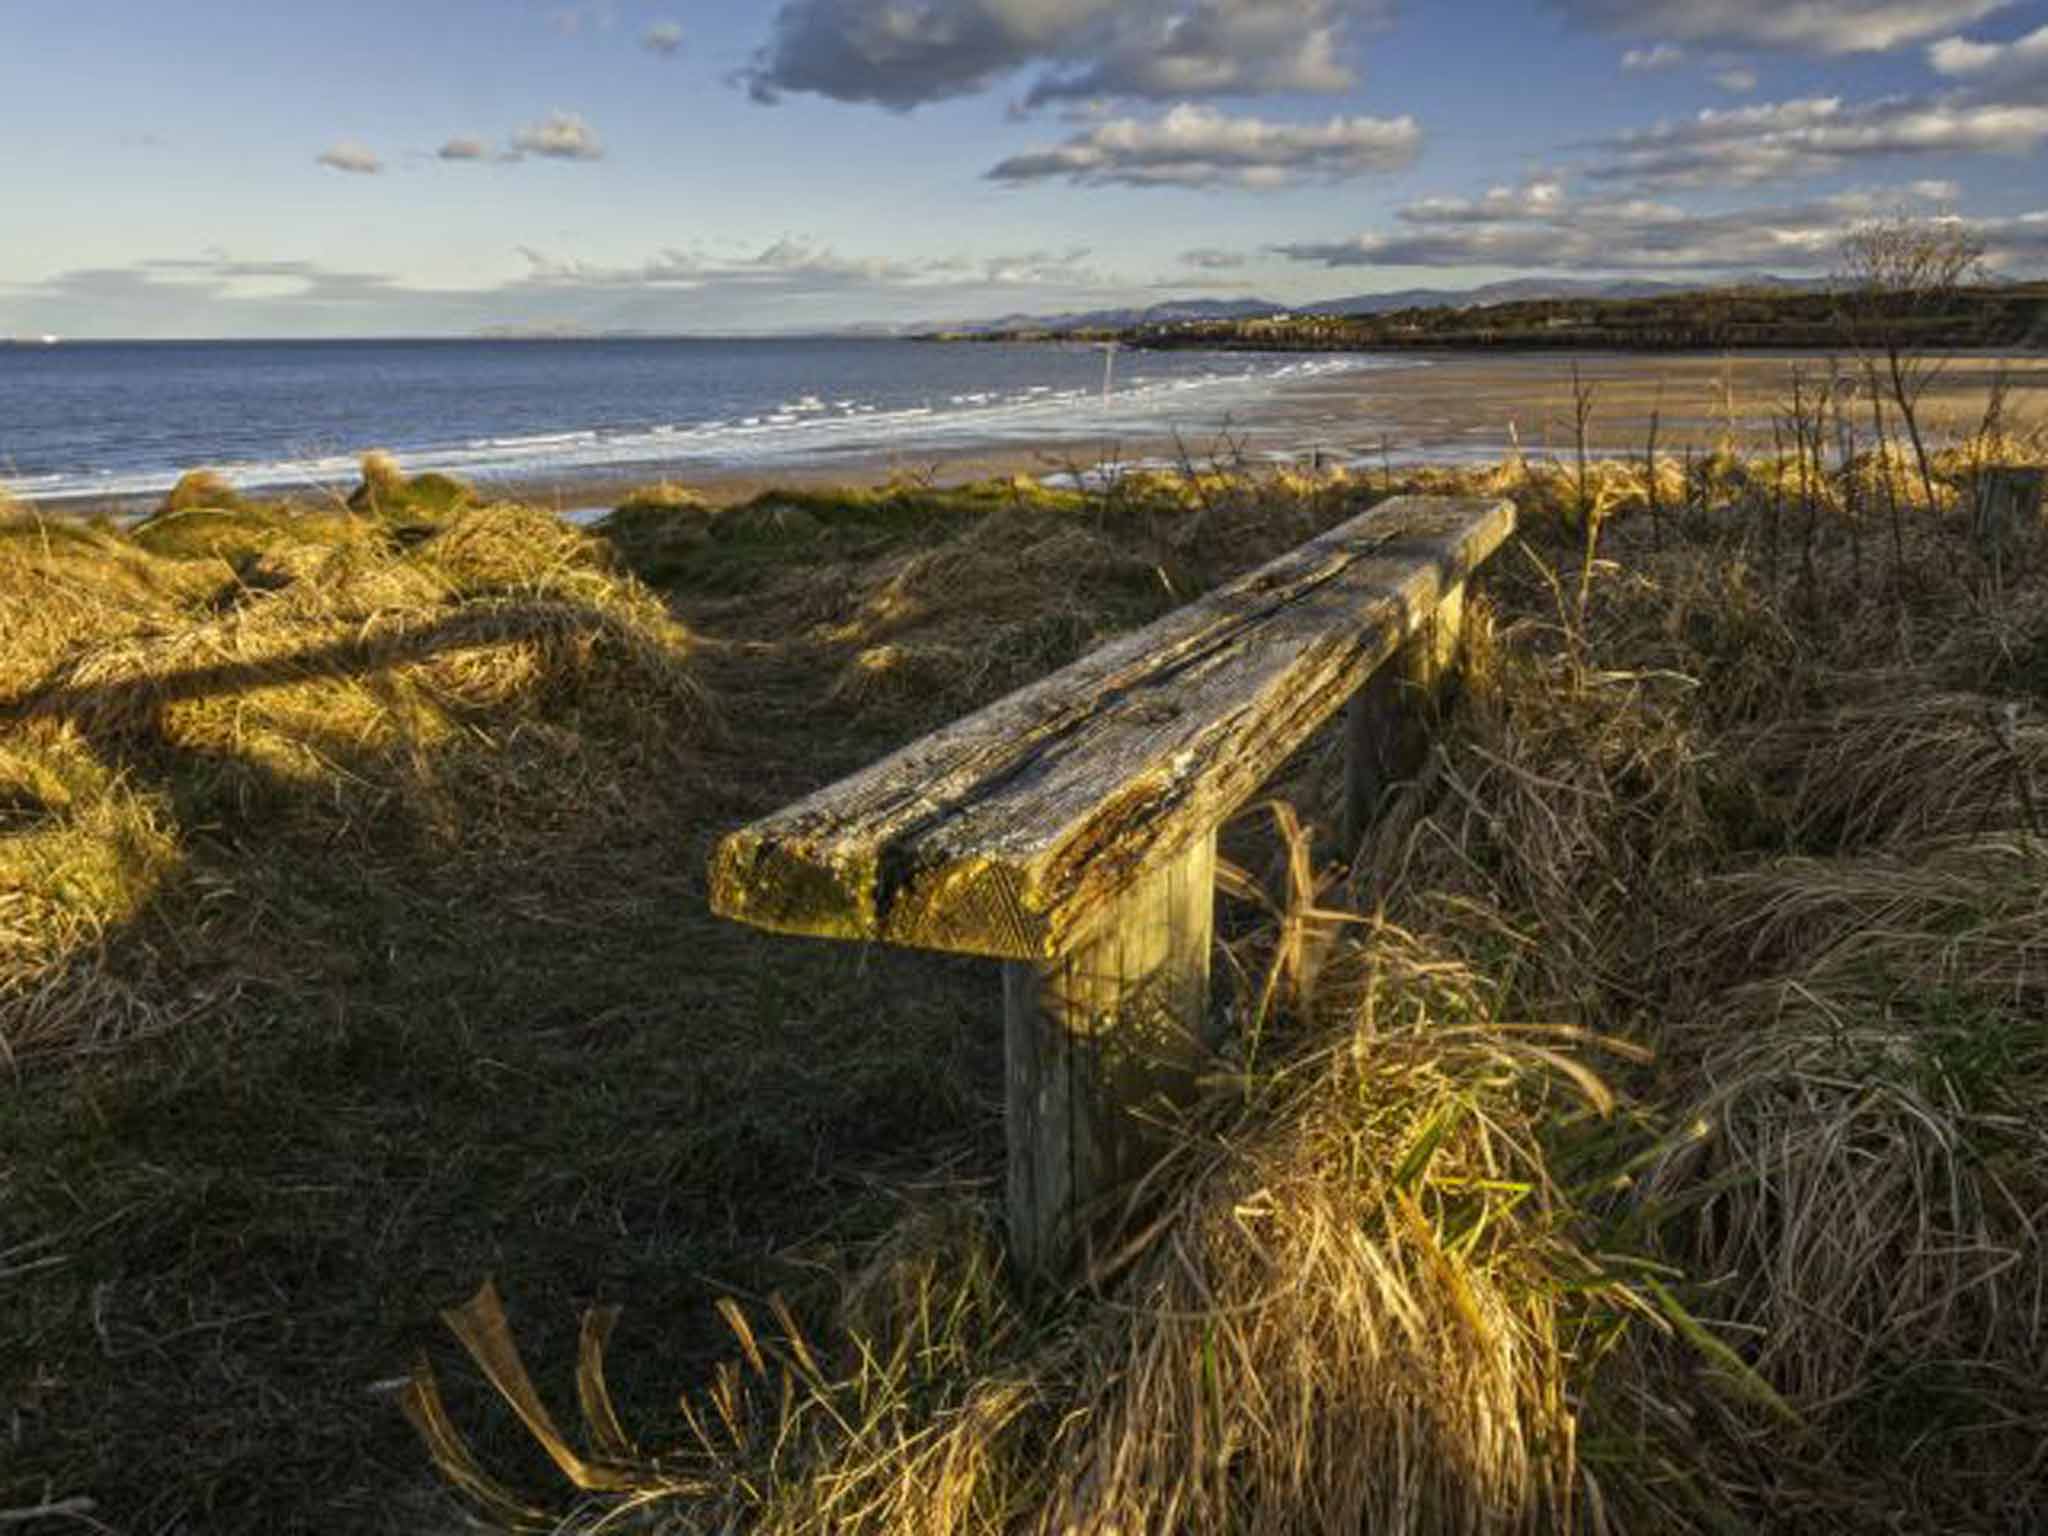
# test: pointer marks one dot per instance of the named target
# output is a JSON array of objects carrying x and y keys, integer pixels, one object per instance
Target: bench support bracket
[
  {"x": 1387, "y": 723},
  {"x": 1100, "y": 1045}
]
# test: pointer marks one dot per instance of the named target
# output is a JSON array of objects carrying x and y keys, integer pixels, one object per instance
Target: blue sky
[{"x": 244, "y": 168}]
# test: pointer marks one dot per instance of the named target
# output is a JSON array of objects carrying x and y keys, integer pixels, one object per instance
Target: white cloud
[
  {"x": 1194, "y": 146},
  {"x": 1211, "y": 259},
  {"x": 1043, "y": 269},
  {"x": 1960, "y": 56},
  {"x": 350, "y": 155},
  {"x": 1936, "y": 191},
  {"x": 1739, "y": 80},
  {"x": 1538, "y": 198},
  {"x": 806, "y": 267},
  {"x": 1538, "y": 228},
  {"x": 1639, "y": 61},
  {"x": 584, "y": 16},
  {"x": 171, "y": 282},
  {"x": 560, "y": 136},
  {"x": 1813, "y": 136},
  {"x": 780, "y": 285},
  {"x": 664, "y": 38},
  {"x": 2023, "y": 62},
  {"x": 903, "y": 53},
  {"x": 464, "y": 148},
  {"x": 1818, "y": 26}
]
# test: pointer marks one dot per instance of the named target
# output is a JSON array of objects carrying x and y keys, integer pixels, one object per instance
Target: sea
[{"x": 108, "y": 420}]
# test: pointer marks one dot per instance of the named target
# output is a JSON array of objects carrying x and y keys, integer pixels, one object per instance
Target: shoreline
[
  {"x": 1457, "y": 408},
  {"x": 721, "y": 485}
]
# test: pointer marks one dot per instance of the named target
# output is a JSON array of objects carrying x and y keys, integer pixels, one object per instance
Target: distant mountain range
[{"x": 1514, "y": 290}]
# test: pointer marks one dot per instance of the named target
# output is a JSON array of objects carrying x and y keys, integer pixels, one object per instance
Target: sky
[{"x": 442, "y": 167}]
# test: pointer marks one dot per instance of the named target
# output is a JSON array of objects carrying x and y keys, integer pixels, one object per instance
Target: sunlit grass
[{"x": 1657, "y": 1143}]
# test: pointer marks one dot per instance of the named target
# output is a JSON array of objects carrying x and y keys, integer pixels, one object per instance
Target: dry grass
[
  {"x": 1656, "y": 1145},
  {"x": 1869, "y": 1203},
  {"x": 1758, "y": 801},
  {"x": 337, "y": 689},
  {"x": 1362, "y": 1308},
  {"x": 1793, "y": 847}
]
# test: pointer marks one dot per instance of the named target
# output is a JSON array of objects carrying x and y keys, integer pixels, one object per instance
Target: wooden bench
[
  {"x": 1069, "y": 830},
  {"x": 2006, "y": 499}
]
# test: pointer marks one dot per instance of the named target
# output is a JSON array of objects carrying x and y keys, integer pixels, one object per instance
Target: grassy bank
[{"x": 1659, "y": 1144}]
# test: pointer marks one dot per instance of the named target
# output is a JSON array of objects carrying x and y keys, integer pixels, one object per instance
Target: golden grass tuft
[
  {"x": 340, "y": 692},
  {"x": 387, "y": 491},
  {"x": 199, "y": 489},
  {"x": 62, "y": 583},
  {"x": 1358, "y": 1310},
  {"x": 82, "y": 852}
]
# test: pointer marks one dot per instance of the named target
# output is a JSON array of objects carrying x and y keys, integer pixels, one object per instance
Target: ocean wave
[
  {"x": 537, "y": 440},
  {"x": 804, "y": 427}
]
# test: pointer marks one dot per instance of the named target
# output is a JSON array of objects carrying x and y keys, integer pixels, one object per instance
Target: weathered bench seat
[{"x": 1070, "y": 828}]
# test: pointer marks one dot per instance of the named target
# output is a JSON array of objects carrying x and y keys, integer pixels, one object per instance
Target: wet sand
[
  {"x": 1460, "y": 406},
  {"x": 1481, "y": 404}
]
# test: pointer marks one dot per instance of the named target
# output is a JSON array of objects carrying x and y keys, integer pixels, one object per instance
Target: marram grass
[
  {"x": 1640, "y": 1133},
  {"x": 1757, "y": 802},
  {"x": 320, "y": 683}
]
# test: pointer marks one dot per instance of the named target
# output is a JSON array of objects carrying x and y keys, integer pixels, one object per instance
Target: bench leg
[
  {"x": 1386, "y": 725},
  {"x": 1117, "y": 1024}
]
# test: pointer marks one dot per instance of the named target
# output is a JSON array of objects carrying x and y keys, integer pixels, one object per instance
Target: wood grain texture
[
  {"x": 1116, "y": 1028},
  {"x": 1011, "y": 832}
]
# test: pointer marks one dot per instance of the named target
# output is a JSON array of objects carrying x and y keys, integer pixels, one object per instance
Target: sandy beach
[
  {"x": 1458, "y": 406},
  {"x": 1445, "y": 407}
]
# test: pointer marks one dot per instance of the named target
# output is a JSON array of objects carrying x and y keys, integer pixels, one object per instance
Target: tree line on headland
[{"x": 2001, "y": 315}]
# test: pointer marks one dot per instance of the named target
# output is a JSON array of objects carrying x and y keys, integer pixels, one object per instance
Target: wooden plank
[
  {"x": 2008, "y": 498},
  {"x": 1011, "y": 832},
  {"x": 1100, "y": 1043}
]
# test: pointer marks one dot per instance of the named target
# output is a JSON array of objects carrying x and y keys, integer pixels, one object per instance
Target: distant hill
[
  {"x": 1518, "y": 290},
  {"x": 1514, "y": 291},
  {"x": 1171, "y": 312}
]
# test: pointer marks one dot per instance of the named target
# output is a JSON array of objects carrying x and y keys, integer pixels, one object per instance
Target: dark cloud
[
  {"x": 1194, "y": 146},
  {"x": 1214, "y": 48},
  {"x": 903, "y": 53},
  {"x": 464, "y": 149}
]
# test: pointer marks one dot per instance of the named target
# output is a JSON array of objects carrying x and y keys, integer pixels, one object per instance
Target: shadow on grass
[{"x": 465, "y": 1016}]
